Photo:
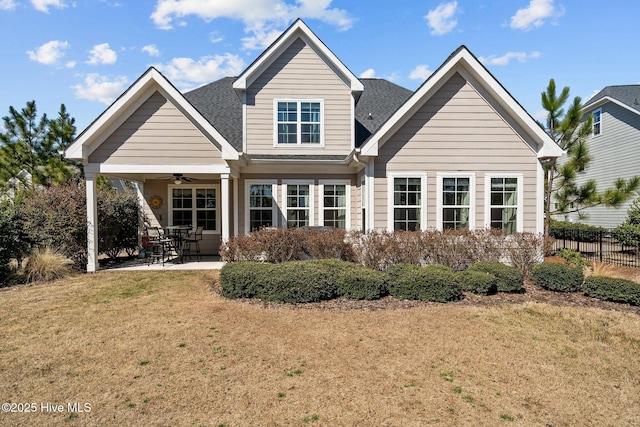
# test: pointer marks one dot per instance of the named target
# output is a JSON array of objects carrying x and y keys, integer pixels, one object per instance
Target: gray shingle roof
[
  {"x": 626, "y": 94},
  {"x": 220, "y": 105}
]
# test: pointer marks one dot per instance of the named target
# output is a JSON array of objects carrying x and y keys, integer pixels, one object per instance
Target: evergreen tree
[
  {"x": 36, "y": 145},
  {"x": 570, "y": 130}
]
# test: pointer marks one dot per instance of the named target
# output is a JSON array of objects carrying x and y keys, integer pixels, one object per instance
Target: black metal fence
[{"x": 599, "y": 245}]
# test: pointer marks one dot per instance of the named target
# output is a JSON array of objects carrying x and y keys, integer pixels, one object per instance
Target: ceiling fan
[{"x": 178, "y": 178}]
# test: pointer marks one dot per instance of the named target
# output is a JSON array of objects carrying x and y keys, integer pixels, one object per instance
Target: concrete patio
[{"x": 206, "y": 263}]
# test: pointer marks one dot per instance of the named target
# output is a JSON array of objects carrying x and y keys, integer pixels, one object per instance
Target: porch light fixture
[{"x": 177, "y": 181}]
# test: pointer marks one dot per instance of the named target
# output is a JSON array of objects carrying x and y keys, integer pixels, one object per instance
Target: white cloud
[
  {"x": 534, "y": 15},
  {"x": 151, "y": 50},
  {"x": 421, "y": 72},
  {"x": 215, "y": 37},
  {"x": 263, "y": 19},
  {"x": 541, "y": 115},
  {"x": 186, "y": 72},
  {"x": 7, "y": 4},
  {"x": 100, "y": 88},
  {"x": 507, "y": 57},
  {"x": 441, "y": 19},
  {"x": 369, "y": 73},
  {"x": 49, "y": 53},
  {"x": 70, "y": 64},
  {"x": 43, "y": 5},
  {"x": 102, "y": 54}
]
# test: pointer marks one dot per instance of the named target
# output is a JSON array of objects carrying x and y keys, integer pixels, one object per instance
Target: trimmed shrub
[
  {"x": 435, "y": 283},
  {"x": 324, "y": 244},
  {"x": 525, "y": 250},
  {"x": 302, "y": 281},
  {"x": 574, "y": 231},
  {"x": 360, "y": 282},
  {"x": 510, "y": 279},
  {"x": 627, "y": 234},
  {"x": 612, "y": 289},
  {"x": 557, "y": 277},
  {"x": 45, "y": 265},
  {"x": 244, "y": 279},
  {"x": 478, "y": 282}
]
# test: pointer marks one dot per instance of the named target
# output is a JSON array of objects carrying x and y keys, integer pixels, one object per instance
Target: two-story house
[
  {"x": 614, "y": 147},
  {"x": 298, "y": 140}
]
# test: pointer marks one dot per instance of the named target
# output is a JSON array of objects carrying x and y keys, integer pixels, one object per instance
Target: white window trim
[
  {"x": 472, "y": 196},
  {"x": 423, "y": 199},
  {"x": 599, "y": 110},
  {"x": 519, "y": 205},
  {"x": 274, "y": 194},
  {"x": 194, "y": 209},
  {"x": 347, "y": 185},
  {"x": 299, "y": 142},
  {"x": 311, "y": 185}
]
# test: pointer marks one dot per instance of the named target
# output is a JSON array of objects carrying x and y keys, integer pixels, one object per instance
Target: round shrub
[
  {"x": 245, "y": 279},
  {"x": 435, "y": 283},
  {"x": 509, "y": 279},
  {"x": 300, "y": 282},
  {"x": 557, "y": 277},
  {"x": 361, "y": 283},
  {"x": 478, "y": 282},
  {"x": 612, "y": 289}
]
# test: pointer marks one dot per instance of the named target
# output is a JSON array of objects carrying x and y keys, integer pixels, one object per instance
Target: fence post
[{"x": 600, "y": 249}]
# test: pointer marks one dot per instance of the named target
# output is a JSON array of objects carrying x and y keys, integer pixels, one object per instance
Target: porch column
[
  {"x": 92, "y": 222},
  {"x": 224, "y": 206},
  {"x": 235, "y": 206}
]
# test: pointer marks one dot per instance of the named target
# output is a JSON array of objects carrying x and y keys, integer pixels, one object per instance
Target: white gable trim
[
  {"x": 122, "y": 108},
  {"x": 462, "y": 59},
  {"x": 600, "y": 102},
  {"x": 297, "y": 30}
]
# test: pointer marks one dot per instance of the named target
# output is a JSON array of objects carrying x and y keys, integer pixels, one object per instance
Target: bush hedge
[
  {"x": 478, "y": 282},
  {"x": 575, "y": 231},
  {"x": 435, "y": 283},
  {"x": 612, "y": 289},
  {"x": 557, "y": 277},
  {"x": 509, "y": 279},
  {"x": 361, "y": 283}
]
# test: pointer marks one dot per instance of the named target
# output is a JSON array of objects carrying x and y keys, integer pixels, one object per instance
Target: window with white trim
[
  {"x": 455, "y": 201},
  {"x": 261, "y": 205},
  {"x": 298, "y": 122},
  {"x": 194, "y": 205},
  {"x": 407, "y": 205},
  {"x": 334, "y": 204},
  {"x": 597, "y": 122},
  {"x": 503, "y": 205},
  {"x": 298, "y": 210}
]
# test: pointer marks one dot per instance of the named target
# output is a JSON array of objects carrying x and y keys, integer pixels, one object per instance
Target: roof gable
[
  {"x": 298, "y": 30},
  {"x": 464, "y": 62},
  {"x": 150, "y": 82},
  {"x": 626, "y": 96}
]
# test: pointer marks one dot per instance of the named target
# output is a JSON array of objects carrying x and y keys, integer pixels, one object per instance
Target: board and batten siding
[
  {"x": 456, "y": 130},
  {"x": 156, "y": 133},
  {"x": 299, "y": 73},
  {"x": 615, "y": 153}
]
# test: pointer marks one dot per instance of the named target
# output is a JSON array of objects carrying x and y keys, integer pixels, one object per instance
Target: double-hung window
[
  {"x": 597, "y": 122},
  {"x": 504, "y": 202},
  {"x": 261, "y": 205},
  {"x": 406, "y": 202},
  {"x": 194, "y": 205},
  {"x": 298, "y": 203},
  {"x": 334, "y": 204},
  {"x": 298, "y": 122},
  {"x": 456, "y": 201}
]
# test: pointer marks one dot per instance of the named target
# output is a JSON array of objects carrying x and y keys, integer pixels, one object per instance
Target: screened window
[
  {"x": 334, "y": 210},
  {"x": 406, "y": 203},
  {"x": 261, "y": 206},
  {"x": 456, "y": 203},
  {"x": 597, "y": 122},
  {"x": 299, "y": 122},
  {"x": 194, "y": 206},
  {"x": 297, "y": 204},
  {"x": 504, "y": 204}
]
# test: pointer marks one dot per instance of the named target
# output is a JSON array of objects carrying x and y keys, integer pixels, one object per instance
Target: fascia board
[{"x": 600, "y": 102}]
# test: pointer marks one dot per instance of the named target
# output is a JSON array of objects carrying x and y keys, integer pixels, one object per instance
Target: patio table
[{"x": 178, "y": 233}]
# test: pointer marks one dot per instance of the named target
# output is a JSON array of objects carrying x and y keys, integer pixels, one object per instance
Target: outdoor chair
[
  {"x": 158, "y": 245},
  {"x": 195, "y": 240}
]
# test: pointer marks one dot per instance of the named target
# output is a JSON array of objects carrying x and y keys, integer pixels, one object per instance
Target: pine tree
[{"x": 570, "y": 130}]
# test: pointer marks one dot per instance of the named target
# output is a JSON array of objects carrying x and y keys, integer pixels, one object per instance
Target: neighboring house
[
  {"x": 298, "y": 140},
  {"x": 614, "y": 147}
]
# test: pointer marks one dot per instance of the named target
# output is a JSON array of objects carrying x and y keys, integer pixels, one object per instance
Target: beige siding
[
  {"x": 160, "y": 217},
  {"x": 456, "y": 130},
  {"x": 156, "y": 133},
  {"x": 283, "y": 179},
  {"x": 299, "y": 73}
]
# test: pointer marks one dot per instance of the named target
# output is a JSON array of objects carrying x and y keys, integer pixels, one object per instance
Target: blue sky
[{"x": 85, "y": 53}]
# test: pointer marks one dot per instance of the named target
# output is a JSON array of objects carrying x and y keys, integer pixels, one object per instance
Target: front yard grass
[{"x": 159, "y": 348}]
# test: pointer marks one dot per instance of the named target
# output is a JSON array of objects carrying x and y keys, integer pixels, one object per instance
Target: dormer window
[{"x": 298, "y": 122}]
